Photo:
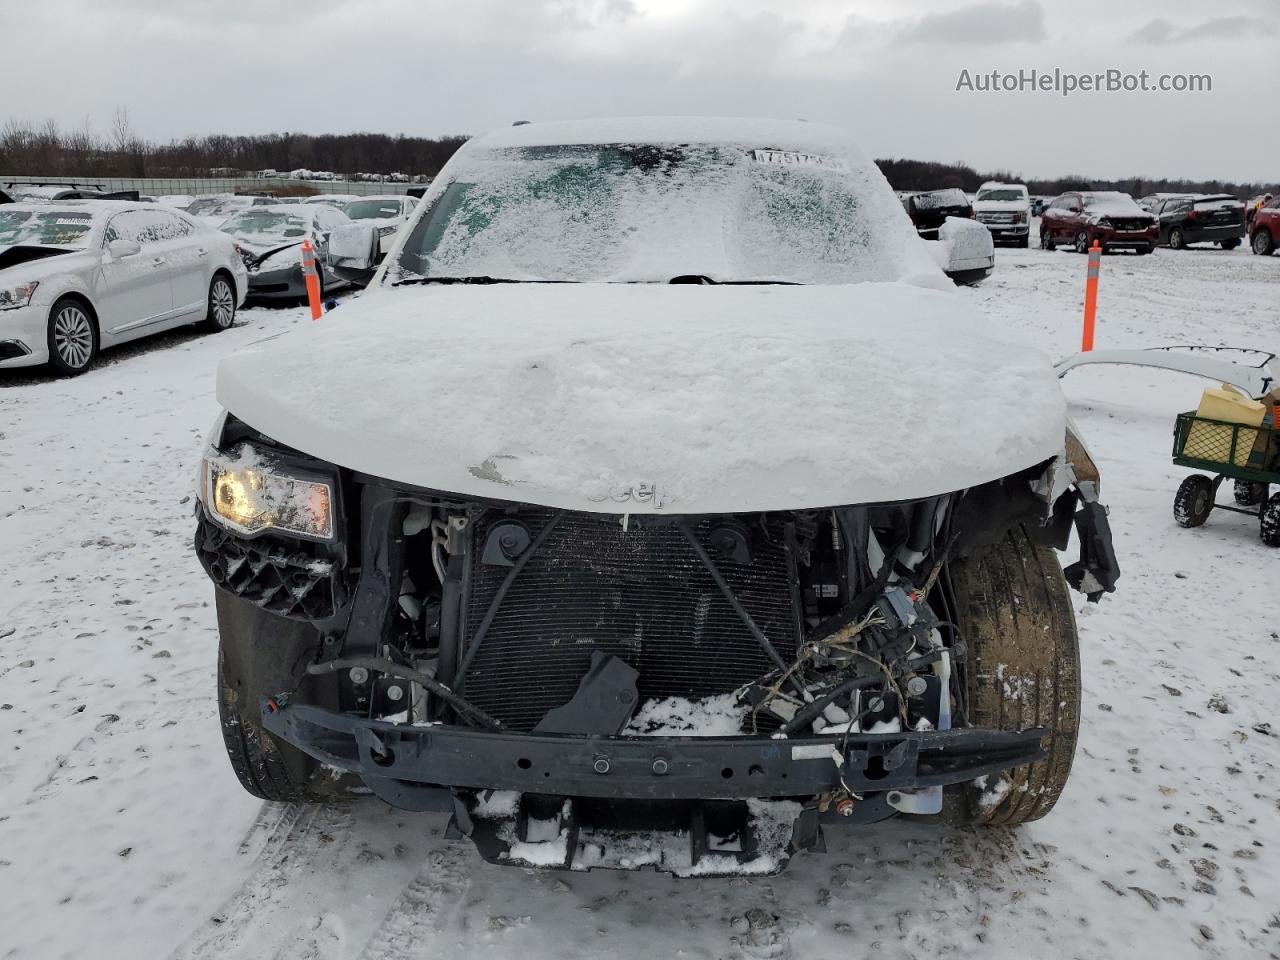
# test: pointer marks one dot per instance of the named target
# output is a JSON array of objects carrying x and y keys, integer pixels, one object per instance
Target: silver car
[
  {"x": 78, "y": 276},
  {"x": 269, "y": 240}
]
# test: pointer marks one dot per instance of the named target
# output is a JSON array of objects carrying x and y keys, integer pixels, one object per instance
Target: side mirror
[
  {"x": 119, "y": 249},
  {"x": 352, "y": 252},
  {"x": 964, "y": 250}
]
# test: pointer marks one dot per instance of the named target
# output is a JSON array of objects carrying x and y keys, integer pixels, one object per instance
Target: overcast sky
[{"x": 886, "y": 70}]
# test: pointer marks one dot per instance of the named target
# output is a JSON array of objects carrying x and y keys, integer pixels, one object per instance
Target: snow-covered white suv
[
  {"x": 660, "y": 504},
  {"x": 1005, "y": 209}
]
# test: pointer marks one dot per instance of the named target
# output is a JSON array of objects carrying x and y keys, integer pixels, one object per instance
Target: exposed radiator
[{"x": 640, "y": 594}]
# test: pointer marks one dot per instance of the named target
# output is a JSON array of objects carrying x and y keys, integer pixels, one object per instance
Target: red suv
[
  {"x": 1113, "y": 219},
  {"x": 1264, "y": 232}
]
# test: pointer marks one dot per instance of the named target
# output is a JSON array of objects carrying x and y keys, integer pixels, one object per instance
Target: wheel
[
  {"x": 1263, "y": 243},
  {"x": 1176, "y": 239},
  {"x": 1082, "y": 242},
  {"x": 261, "y": 655},
  {"x": 1143, "y": 251},
  {"x": 222, "y": 304},
  {"x": 73, "y": 337},
  {"x": 1020, "y": 669},
  {"x": 1193, "y": 502},
  {"x": 1025, "y": 242},
  {"x": 1271, "y": 522},
  {"x": 1250, "y": 493},
  {"x": 1230, "y": 244},
  {"x": 1046, "y": 240}
]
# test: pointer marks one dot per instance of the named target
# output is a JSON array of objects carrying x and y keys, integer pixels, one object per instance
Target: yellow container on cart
[{"x": 1213, "y": 441}]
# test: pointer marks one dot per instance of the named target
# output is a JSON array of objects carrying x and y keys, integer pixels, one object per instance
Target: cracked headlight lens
[{"x": 242, "y": 490}]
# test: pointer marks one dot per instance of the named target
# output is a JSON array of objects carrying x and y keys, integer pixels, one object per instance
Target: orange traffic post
[
  {"x": 312, "y": 278},
  {"x": 1091, "y": 295}
]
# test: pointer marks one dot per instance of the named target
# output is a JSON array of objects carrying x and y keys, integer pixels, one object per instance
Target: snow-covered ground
[{"x": 124, "y": 834}]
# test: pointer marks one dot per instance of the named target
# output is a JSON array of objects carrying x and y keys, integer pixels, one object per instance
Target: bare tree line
[
  {"x": 928, "y": 175},
  {"x": 45, "y": 149}
]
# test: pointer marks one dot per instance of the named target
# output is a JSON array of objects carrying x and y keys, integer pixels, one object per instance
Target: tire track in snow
[
  {"x": 434, "y": 903},
  {"x": 299, "y": 840}
]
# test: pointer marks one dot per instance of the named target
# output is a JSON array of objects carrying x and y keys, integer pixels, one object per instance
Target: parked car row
[{"x": 1114, "y": 220}]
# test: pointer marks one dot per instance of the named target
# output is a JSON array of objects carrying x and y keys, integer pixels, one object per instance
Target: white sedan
[
  {"x": 78, "y": 276},
  {"x": 386, "y": 214}
]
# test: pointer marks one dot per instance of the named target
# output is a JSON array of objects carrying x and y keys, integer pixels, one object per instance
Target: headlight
[
  {"x": 1021, "y": 217},
  {"x": 1104, "y": 221},
  {"x": 243, "y": 490},
  {"x": 18, "y": 296}
]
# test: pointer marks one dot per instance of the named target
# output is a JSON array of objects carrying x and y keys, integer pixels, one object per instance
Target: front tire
[
  {"x": 1021, "y": 669},
  {"x": 1176, "y": 239},
  {"x": 1230, "y": 244},
  {"x": 73, "y": 337},
  {"x": 1082, "y": 242},
  {"x": 1193, "y": 502},
  {"x": 262, "y": 655},
  {"x": 1046, "y": 240},
  {"x": 222, "y": 304},
  {"x": 1263, "y": 243}
]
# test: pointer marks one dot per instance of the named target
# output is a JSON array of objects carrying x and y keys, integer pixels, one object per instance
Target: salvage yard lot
[{"x": 120, "y": 823}]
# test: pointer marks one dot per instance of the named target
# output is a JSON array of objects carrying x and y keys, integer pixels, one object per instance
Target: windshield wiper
[
  {"x": 476, "y": 280},
  {"x": 686, "y": 278}
]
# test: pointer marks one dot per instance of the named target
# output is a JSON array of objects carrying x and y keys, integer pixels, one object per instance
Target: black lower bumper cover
[{"x": 692, "y": 779}]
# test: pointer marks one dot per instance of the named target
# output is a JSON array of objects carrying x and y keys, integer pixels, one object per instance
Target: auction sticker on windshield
[{"x": 791, "y": 158}]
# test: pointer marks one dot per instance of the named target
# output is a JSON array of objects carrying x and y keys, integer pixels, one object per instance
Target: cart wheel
[
  {"x": 1194, "y": 501},
  {"x": 1271, "y": 522},
  {"x": 1250, "y": 493}
]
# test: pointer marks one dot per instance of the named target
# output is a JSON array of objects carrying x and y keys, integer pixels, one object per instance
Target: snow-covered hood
[{"x": 594, "y": 396}]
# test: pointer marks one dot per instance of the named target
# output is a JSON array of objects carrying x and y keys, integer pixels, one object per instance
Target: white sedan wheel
[
  {"x": 222, "y": 303},
  {"x": 73, "y": 338}
]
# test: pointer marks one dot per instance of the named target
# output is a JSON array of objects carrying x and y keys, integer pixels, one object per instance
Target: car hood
[{"x": 594, "y": 396}]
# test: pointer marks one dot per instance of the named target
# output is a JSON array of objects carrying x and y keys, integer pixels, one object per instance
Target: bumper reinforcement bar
[{"x": 402, "y": 759}]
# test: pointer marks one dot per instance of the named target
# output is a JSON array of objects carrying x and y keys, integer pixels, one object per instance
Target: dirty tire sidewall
[
  {"x": 1262, "y": 243},
  {"x": 262, "y": 655},
  {"x": 1021, "y": 669}
]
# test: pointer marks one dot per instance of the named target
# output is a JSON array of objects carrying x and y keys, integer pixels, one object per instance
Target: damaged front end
[{"x": 700, "y": 694}]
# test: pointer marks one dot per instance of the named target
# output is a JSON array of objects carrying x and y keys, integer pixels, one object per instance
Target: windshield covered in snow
[
  {"x": 264, "y": 223},
  {"x": 652, "y": 212},
  {"x": 1108, "y": 200},
  {"x": 218, "y": 206},
  {"x": 51, "y": 228},
  {"x": 1002, "y": 193},
  {"x": 372, "y": 209}
]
